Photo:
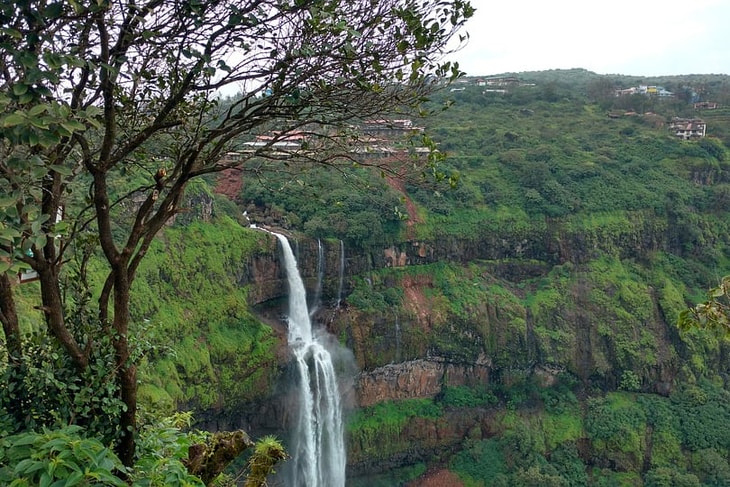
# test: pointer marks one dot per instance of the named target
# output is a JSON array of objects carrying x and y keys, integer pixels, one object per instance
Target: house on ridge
[{"x": 688, "y": 128}]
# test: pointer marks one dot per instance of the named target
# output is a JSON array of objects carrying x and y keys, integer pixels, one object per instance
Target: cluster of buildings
[
  {"x": 688, "y": 128},
  {"x": 371, "y": 139},
  {"x": 384, "y": 139},
  {"x": 684, "y": 128},
  {"x": 496, "y": 84},
  {"x": 648, "y": 90},
  {"x": 661, "y": 92}
]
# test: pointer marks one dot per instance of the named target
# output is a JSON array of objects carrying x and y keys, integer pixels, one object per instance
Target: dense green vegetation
[
  {"x": 545, "y": 437},
  {"x": 574, "y": 240},
  {"x": 572, "y": 244},
  {"x": 527, "y": 158},
  {"x": 379, "y": 429},
  {"x": 191, "y": 305},
  {"x": 354, "y": 206},
  {"x": 107, "y": 113}
]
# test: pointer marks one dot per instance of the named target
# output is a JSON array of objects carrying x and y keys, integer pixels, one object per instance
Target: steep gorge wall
[
  {"x": 631, "y": 235},
  {"x": 570, "y": 334},
  {"x": 522, "y": 320},
  {"x": 420, "y": 378}
]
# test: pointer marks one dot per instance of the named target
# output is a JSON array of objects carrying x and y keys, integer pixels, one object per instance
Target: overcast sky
[{"x": 633, "y": 37}]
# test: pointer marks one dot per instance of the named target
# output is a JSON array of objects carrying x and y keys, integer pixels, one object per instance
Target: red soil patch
[
  {"x": 437, "y": 478},
  {"x": 416, "y": 301},
  {"x": 230, "y": 183}
]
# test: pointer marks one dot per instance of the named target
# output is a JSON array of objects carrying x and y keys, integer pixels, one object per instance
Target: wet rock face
[
  {"x": 419, "y": 440},
  {"x": 265, "y": 275},
  {"x": 424, "y": 378},
  {"x": 416, "y": 379}
]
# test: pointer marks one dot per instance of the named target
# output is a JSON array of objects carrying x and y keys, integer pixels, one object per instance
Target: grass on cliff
[
  {"x": 204, "y": 346},
  {"x": 631, "y": 439},
  {"x": 389, "y": 417}
]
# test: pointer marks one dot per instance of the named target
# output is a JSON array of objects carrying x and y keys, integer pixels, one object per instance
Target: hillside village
[{"x": 685, "y": 128}]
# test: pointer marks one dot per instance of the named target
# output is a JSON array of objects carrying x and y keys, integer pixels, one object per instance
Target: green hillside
[
  {"x": 579, "y": 229},
  {"x": 541, "y": 289}
]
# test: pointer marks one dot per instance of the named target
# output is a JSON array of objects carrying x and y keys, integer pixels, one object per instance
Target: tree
[
  {"x": 120, "y": 103},
  {"x": 713, "y": 313}
]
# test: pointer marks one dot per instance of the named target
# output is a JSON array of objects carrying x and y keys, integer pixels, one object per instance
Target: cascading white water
[
  {"x": 317, "y": 299},
  {"x": 318, "y": 447}
]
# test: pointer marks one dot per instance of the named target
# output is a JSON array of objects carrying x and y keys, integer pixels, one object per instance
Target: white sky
[{"x": 631, "y": 37}]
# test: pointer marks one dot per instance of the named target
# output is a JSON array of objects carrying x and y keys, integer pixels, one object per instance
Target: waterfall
[
  {"x": 342, "y": 274},
  {"x": 317, "y": 448},
  {"x": 317, "y": 299}
]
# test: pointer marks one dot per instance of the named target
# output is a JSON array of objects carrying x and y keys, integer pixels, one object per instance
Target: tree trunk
[
  {"x": 126, "y": 370},
  {"x": 14, "y": 345},
  {"x": 53, "y": 309},
  {"x": 9, "y": 318}
]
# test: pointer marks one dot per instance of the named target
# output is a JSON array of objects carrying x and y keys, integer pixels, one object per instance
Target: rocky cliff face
[
  {"x": 421, "y": 378},
  {"x": 476, "y": 313},
  {"x": 267, "y": 279},
  {"x": 519, "y": 253},
  {"x": 422, "y": 336},
  {"x": 419, "y": 440}
]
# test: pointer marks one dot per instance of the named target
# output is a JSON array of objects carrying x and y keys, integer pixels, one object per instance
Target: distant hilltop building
[
  {"x": 389, "y": 128},
  {"x": 688, "y": 128},
  {"x": 285, "y": 141},
  {"x": 377, "y": 138},
  {"x": 646, "y": 90},
  {"x": 384, "y": 139},
  {"x": 706, "y": 105},
  {"x": 499, "y": 81},
  {"x": 492, "y": 84}
]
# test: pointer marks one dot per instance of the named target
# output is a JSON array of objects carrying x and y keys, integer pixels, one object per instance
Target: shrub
[
  {"x": 467, "y": 397},
  {"x": 57, "y": 455}
]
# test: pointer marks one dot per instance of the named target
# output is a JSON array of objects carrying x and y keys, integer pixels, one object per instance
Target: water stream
[{"x": 317, "y": 448}]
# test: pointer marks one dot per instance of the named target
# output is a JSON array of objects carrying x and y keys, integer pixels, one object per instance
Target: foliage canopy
[{"x": 109, "y": 109}]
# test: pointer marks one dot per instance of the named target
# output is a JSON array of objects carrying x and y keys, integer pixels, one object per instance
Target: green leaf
[
  {"x": 60, "y": 228},
  {"x": 74, "y": 479},
  {"x": 72, "y": 125},
  {"x": 39, "y": 122},
  {"x": 33, "y": 138},
  {"x": 40, "y": 240},
  {"x": 15, "y": 34},
  {"x": 6, "y": 201},
  {"x": 25, "y": 439},
  {"x": 20, "y": 89},
  {"x": 54, "y": 10},
  {"x": 54, "y": 60},
  {"x": 62, "y": 170},
  {"x": 13, "y": 119},
  {"x": 24, "y": 466},
  {"x": 48, "y": 139},
  {"x": 46, "y": 480},
  {"x": 37, "y": 110}
]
